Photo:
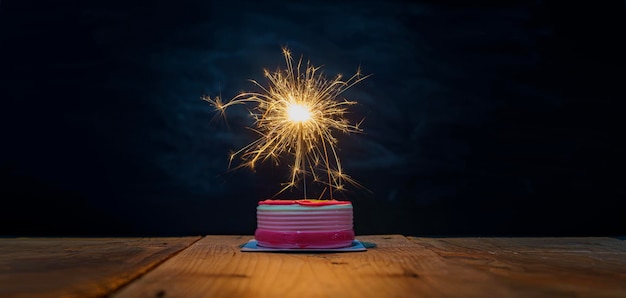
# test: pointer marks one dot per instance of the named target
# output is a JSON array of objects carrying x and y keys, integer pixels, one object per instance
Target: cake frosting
[{"x": 304, "y": 224}]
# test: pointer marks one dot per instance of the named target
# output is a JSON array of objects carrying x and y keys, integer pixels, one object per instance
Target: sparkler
[{"x": 296, "y": 115}]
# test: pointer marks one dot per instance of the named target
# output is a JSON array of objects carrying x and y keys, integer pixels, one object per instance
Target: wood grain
[
  {"x": 78, "y": 267},
  {"x": 398, "y": 267},
  {"x": 543, "y": 267}
]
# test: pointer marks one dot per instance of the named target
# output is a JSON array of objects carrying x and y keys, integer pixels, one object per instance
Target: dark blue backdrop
[{"x": 480, "y": 118}]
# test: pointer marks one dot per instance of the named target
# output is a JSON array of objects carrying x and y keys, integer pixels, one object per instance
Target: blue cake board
[{"x": 252, "y": 246}]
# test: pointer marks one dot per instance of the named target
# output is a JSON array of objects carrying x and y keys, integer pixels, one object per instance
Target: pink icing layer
[
  {"x": 277, "y": 239},
  {"x": 304, "y": 202}
]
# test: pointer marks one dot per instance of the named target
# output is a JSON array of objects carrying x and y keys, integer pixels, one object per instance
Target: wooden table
[{"x": 214, "y": 266}]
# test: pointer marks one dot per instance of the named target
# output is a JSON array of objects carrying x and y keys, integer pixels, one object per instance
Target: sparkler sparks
[{"x": 296, "y": 115}]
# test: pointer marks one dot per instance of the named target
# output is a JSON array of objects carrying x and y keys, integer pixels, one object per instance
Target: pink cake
[{"x": 304, "y": 224}]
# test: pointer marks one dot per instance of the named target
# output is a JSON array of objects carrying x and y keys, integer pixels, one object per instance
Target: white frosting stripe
[{"x": 304, "y": 218}]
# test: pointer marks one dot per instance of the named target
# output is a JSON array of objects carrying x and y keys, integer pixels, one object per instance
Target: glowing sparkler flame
[
  {"x": 298, "y": 112},
  {"x": 296, "y": 115}
]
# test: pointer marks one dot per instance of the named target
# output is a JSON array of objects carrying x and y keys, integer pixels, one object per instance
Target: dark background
[{"x": 480, "y": 118}]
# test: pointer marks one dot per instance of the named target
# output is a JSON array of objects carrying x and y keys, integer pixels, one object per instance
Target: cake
[{"x": 304, "y": 224}]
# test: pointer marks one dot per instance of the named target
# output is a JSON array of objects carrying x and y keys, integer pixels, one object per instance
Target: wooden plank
[
  {"x": 78, "y": 267},
  {"x": 398, "y": 267},
  {"x": 580, "y": 267}
]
